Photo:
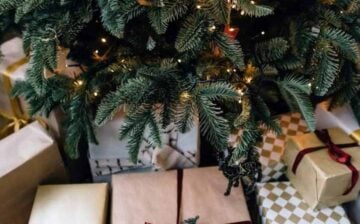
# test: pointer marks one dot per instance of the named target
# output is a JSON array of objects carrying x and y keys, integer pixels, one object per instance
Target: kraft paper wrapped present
[
  {"x": 111, "y": 155},
  {"x": 70, "y": 204},
  {"x": 272, "y": 146},
  {"x": 323, "y": 167},
  {"x": 279, "y": 203},
  {"x": 175, "y": 196},
  {"x": 28, "y": 158},
  {"x": 344, "y": 118}
]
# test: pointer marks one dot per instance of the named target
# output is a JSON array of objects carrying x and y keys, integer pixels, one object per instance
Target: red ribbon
[{"x": 335, "y": 153}]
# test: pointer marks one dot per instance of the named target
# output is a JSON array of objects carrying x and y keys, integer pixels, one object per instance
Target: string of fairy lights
[{"x": 249, "y": 70}]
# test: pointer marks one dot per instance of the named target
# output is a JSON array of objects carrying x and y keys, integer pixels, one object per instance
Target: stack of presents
[{"x": 308, "y": 177}]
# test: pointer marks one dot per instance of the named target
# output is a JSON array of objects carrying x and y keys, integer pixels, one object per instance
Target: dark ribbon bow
[{"x": 335, "y": 152}]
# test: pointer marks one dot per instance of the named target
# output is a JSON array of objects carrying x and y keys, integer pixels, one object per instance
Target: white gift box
[
  {"x": 279, "y": 202},
  {"x": 28, "y": 158},
  {"x": 111, "y": 155},
  {"x": 341, "y": 117},
  {"x": 70, "y": 204}
]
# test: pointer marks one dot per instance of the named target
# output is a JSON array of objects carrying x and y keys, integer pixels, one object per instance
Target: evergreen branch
[
  {"x": 218, "y": 10},
  {"x": 295, "y": 92},
  {"x": 132, "y": 92},
  {"x": 301, "y": 39},
  {"x": 155, "y": 134},
  {"x": 184, "y": 115},
  {"x": 288, "y": 63},
  {"x": 254, "y": 10},
  {"x": 6, "y": 5},
  {"x": 271, "y": 50},
  {"x": 115, "y": 14},
  {"x": 174, "y": 9},
  {"x": 249, "y": 138},
  {"x": 27, "y": 7},
  {"x": 214, "y": 127},
  {"x": 134, "y": 128},
  {"x": 156, "y": 20},
  {"x": 344, "y": 42},
  {"x": 191, "y": 33},
  {"x": 77, "y": 125},
  {"x": 346, "y": 87},
  {"x": 327, "y": 68},
  {"x": 231, "y": 49},
  {"x": 218, "y": 91},
  {"x": 261, "y": 112},
  {"x": 330, "y": 17}
]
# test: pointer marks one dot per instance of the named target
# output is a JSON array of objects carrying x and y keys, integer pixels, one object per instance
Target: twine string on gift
[
  {"x": 15, "y": 123},
  {"x": 180, "y": 177},
  {"x": 335, "y": 152}
]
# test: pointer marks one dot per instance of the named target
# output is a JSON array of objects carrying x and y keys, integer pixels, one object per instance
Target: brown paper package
[
  {"x": 320, "y": 180},
  {"x": 70, "y": 204},
  {"x": 29, "y": 157},
  {"x": 152, "y": 198}
]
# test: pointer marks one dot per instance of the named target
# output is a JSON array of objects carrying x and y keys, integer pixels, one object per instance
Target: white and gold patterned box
[
  {"x": 272, "y": 146},
  {"x": 279, "y": 203}
]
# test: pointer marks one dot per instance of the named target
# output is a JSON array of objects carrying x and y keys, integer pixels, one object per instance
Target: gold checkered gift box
[
  {"x": 272, "y": 146},
  {"x": 279, "y": 202}
]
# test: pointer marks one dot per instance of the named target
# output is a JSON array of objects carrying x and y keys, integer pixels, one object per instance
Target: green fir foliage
[{"x": 170, "y": 61}]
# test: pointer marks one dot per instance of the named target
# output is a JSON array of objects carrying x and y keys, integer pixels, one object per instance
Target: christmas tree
[{"x": 229, "y": 63}]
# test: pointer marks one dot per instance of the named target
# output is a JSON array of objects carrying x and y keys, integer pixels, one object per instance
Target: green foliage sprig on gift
[{"x": 171, "y": 61}]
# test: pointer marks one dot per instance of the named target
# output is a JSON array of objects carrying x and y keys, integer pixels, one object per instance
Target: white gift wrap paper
[
  {"x": 342, "y": 117},
  {"x": 111, "y": 155}
]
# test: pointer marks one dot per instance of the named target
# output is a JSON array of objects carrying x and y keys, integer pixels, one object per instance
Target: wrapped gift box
[
  {"x": 13, "y": 67},
  {"x": 111, "y": 155},
  {"x": 344, "y": 118},
  {"x": 173, "y": 195},
  {"x": 279, "y": 202},
  {"x": 70, "y": 204},
  {"x": 313, "y": 171},
  {"x": 272, "y": 146},
  {"x": 28, "y": 157}
]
